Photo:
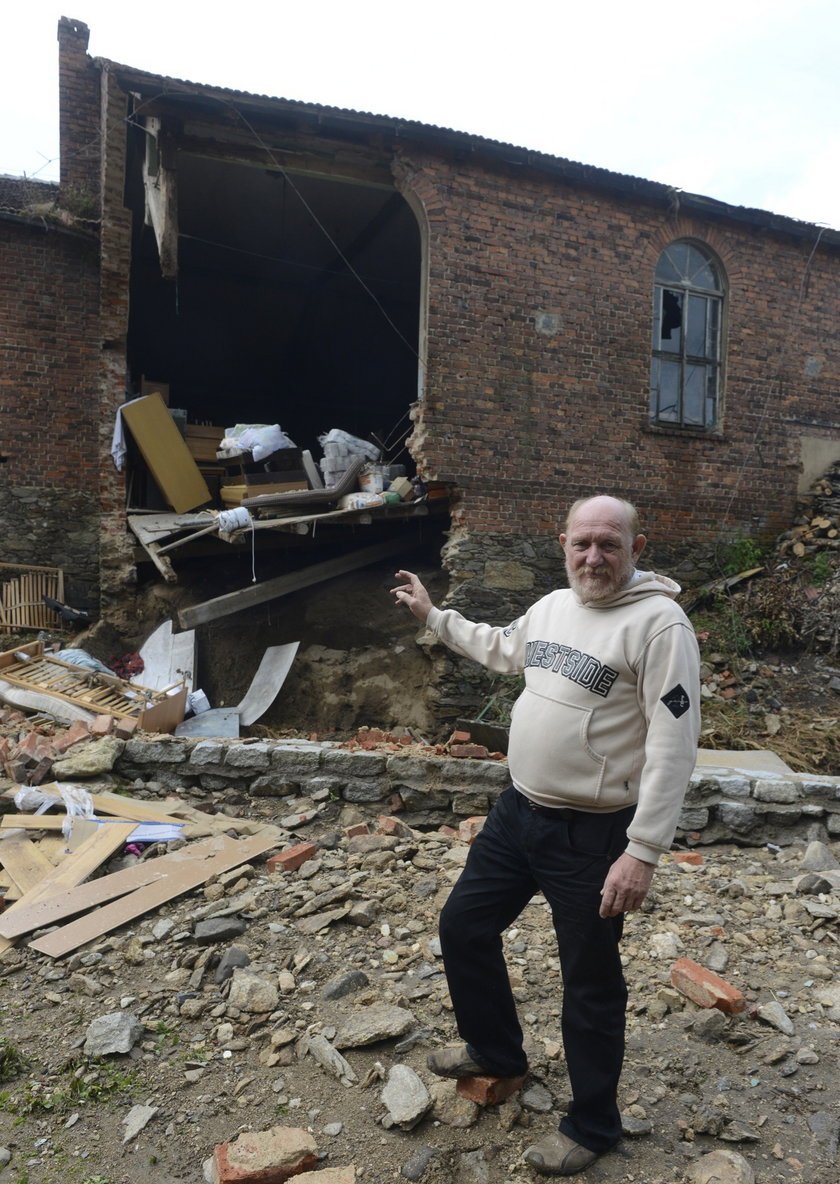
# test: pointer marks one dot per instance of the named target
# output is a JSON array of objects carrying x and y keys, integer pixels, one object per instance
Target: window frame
[{"x": 693, "y": 277}]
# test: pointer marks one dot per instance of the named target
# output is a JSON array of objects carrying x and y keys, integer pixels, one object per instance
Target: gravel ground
[{"x": 211, "y": 1059}]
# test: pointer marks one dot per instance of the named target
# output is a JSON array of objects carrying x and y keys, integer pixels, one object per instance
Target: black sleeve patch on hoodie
[{"x": 677, "y": 701}]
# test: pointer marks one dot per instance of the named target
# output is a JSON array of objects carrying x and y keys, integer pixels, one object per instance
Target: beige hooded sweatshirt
[{"x": 610, "y": 713}]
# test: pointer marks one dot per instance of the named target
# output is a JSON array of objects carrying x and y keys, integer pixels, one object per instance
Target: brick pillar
[{"x": 78, "y": 99}]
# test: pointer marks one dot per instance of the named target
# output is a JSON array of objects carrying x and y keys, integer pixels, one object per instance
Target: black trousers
[{"x": 566, "y": 856}]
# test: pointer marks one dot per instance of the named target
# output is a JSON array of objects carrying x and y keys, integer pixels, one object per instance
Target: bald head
[
  {"x": 601, "y": 543},
  {"x": 614, "y": 508}
]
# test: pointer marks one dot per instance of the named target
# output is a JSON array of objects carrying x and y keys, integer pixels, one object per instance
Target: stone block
[
  {"x": 248, "y": 756},
  {"x": 737, "y": 815},
  {"x": 295, "y": 762},
  {"x": 693, "y": 819},
  {"x": 167, "y": 750},
  {"x": 782, "y": 791},
  {"x": 353, "y": 764},
  {"x": 206, "y": 752},
  {"x": 364, "y": 791}
]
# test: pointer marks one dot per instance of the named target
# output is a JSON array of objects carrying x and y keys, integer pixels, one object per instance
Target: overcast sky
[{"x": 735, "y": 99}]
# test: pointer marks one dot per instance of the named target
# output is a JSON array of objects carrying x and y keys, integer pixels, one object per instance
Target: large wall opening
[{"x": 296, "y": 301}]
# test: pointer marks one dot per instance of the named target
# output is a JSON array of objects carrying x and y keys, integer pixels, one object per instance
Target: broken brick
[
  {"x": 691, "y": 858},
  {"x": 102, "y": 725},
  {"x": 358, "y": 828},
  {"x": 705, "y": 988},
  {"x": 291, "y": 859},
  {"x": 460, "y": 738},
  {"x": 466, "y": 751},
  {"x": 264, "y": 1157},
  {"x": 489, "y": 1091},
  {"x": 392, "y": 826},
  {"x": 77, "y": 731},
  {"x": 125, "y": 728},
  {"x": 469, "y": 828}
]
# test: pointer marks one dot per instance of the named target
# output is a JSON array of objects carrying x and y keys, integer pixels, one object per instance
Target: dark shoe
[
  {"x": 457, "y": 1062},
  {"x": 558, "y": 1155}
]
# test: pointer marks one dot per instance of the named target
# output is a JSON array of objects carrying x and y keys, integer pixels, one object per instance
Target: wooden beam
[{"x": 235, "y": 602}]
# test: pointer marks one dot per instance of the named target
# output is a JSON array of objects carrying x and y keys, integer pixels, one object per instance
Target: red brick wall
[
  {"x": 49, "y": 305},
  {"x": 49, "y": 484},
  {"x": 525, "y": 423}
]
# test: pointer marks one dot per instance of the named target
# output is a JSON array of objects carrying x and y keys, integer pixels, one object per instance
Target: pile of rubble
[{"x": 280, "y": 1012}]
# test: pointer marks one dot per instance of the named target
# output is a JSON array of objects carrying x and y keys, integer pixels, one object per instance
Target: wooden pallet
[
  {"x": 105, "y": 694},
  {"x": 22, "y": 592}
]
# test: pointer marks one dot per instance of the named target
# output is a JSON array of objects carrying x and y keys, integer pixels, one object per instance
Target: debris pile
[{"x": 282, "y": 1010}]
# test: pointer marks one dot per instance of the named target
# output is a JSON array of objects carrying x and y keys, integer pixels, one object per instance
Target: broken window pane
[{"x": 686, "y": 338}]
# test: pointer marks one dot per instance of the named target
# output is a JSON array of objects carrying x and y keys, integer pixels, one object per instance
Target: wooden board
[
  {"x": 190, "y": 874},
  {"x": 74, "y": 899},
  {"x": 103, "y": 803},
  {"x": 165, "y": 452},
  {"x": 24, "y": 862}
]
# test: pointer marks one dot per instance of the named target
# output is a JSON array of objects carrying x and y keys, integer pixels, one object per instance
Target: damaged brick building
[{"x": 543, "y": 329}]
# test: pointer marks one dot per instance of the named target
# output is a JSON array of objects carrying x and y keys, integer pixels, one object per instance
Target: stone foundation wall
[{"x": 722, "y": 805}]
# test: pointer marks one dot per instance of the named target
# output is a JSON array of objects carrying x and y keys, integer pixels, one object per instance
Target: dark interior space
[{"x": 297, "y": 301}]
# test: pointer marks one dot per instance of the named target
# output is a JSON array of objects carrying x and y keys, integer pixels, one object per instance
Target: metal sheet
[{"x": 266, "y": 683}]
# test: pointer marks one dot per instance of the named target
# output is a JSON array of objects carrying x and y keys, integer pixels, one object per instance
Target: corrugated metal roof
[{"x": 573, "y": 172}]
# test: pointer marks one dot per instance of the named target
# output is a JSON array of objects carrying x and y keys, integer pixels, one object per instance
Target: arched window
[{"x": 687, "y": 315}]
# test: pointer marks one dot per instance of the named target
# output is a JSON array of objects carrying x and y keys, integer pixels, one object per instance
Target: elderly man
[{"x": 603, "y": 740}]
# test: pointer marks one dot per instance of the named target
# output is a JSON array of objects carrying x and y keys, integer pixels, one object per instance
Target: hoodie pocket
[{"x": 549, "y": 749}]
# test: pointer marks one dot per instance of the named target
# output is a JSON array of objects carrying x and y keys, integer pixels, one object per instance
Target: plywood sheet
[{"x": 165, "y": 452}]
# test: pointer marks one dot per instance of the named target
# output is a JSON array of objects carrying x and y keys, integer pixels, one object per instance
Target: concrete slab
[{"x": 760, "y": 760}]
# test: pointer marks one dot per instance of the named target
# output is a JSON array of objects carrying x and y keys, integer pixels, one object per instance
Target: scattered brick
[
  {"x": 705, "y": 988},
  {"x": 460, "y": 738},
  {"x": 102, "y": 725},
  {"x": 291, "y": 859},
  {"x": 385, "y": 825},
  {"x": 77, "y": 731},
  {"x": 475, "y": 751},
  {"x": 358, "y": 828},
  {"x": 125, "y": 727},
  {"x": 692, "y": 858},
  {"x": 39, "y": 774},
  {"x": 489, "y": 1091},
  {"x": 469, "y": 828},
  {"x": 264, "y": 1157}
]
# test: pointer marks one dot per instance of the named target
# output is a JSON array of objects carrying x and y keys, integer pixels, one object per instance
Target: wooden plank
[
  {"x": 33, "y": 821},
  {"x": 235, "y": 602},
  {"x": 115, "y": 804},
  {"x": 24, "y": 862},
  {"x": 189, "y": 875},
  {"x": 165, "y": 452},
  {"x": 38, "y": 913},
  {"x": 91, "y": 853}
]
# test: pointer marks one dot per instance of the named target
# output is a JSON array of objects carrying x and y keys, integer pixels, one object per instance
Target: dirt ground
[{"x": 694, "y": 1080}]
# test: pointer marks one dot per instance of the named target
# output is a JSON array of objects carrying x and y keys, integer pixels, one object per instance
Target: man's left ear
[{"x": 638, "y": 545}]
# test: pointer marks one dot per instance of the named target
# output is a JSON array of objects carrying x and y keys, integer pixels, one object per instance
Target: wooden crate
[
  {"x": 155, "y": 711},
  {"x": 22, "y": 592}
]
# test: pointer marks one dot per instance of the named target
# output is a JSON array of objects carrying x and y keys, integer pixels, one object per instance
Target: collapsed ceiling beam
[{"x": 234, "y": 602}]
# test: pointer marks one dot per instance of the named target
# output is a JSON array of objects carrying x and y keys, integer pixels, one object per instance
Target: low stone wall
[{"x": 723, "y": 805}]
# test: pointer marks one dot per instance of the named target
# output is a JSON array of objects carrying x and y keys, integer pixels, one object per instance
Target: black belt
[{"x": 552, "y": 811}]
